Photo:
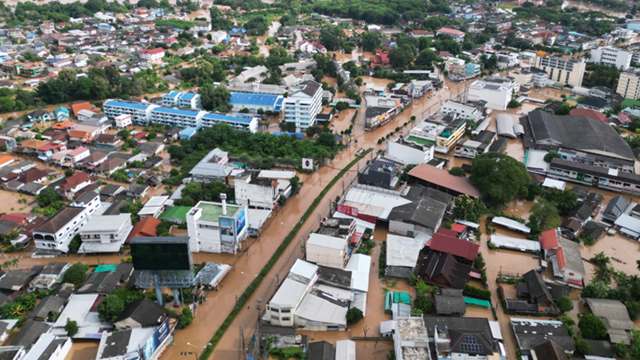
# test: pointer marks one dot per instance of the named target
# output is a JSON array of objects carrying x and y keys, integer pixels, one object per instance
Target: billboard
[
  {"x": 241, "y": 220},
  {"x": 348, "y": 210},
  {"x": 226, "y": 226},
  {"x": 152, "y": 344},
  {"x": 160, "y": 256}
]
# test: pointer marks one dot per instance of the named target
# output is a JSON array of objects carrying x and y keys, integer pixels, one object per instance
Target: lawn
[{"x": 176, "y": 214}]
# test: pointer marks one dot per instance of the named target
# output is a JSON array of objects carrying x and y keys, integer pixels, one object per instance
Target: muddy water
[
  {"x": 585, "y": 6},
  {"x": 83, "y": 351},
  {"x": 623, "y": 252}
]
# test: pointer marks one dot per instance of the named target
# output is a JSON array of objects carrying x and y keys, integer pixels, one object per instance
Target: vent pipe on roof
[{"x": 223, "y": 198}]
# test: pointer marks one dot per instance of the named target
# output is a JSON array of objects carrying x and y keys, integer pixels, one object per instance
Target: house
[
  {"x": 6, "y": 159},
  {"x": 455, "y": 34},
  {"x": 303, "y": 105},
  {"x": 446, "y": 260},
  {"x": 81, "y": 308},
  {"x": 530, "y": 333},
  {"x": 62, "y": 113},
  {"x": 106, "y": 278},
  {"x": 533, "y": 296},
  {"x": 496, "y": 92},
  {"x": 381, "y": 173},
  {"x": 423, "y": 215},
  {"x": 49, "y": 346},
  {"x": 260, "y": 192},
  {"x": 137, "y": 343},
  {"x": 449, "y": 302},
  {"x": 550, "y": 350},
  {"x": 463, "y": 338},
  {"x": 123, "y": 121},
  {"x": 14, "y": 281},
  {"x": 155, "y": 206},
  {"x": 214, "y": 166},
  {"x": 321, "y": 350},
  {"x": 48, "y": 308},
  {"x": 145, "y": 227},
  {"x": 615, "y": 208},
  {"x": 402, "y": 255},
  {"x": 477, "y": 145},
  {"x": 105, "y": 233},
  {"x": 217, "y": 227},
  {"x": 35, "y": 175},
  {"x": 407, "y": 153},
  {"x": 410, "y": 339},
  {"x": 442, "y": 180},
  {"x": 153, "y": 56},
  {"x": 40, "y": 116},
  {"x": 50, "y": 275},
  {"x": 56, "y": 233},
  {"x": 29, "y": 333},
  {"x": 615, "y": 317},
  {"x": 326, "y": 250},
  {"x": 564, "y": 257},
  {"x": 141, "y": 314},
  {"x": 74, "y": 183}
]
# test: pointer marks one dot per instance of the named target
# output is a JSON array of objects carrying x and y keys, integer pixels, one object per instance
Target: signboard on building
[
  {"x": 308, "y": 164},
  {"x": 348, "y": 210}
]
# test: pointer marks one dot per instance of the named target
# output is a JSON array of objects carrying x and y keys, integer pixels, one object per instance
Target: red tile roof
[
  {"x": 549, "y": 239},
  {"x": 458, "y": 228},
  {"x": 453, "y": 246},
  {"x": 80, "y": 105},
  {"x": 145, "y": 227},
  {"x": 562, "y": 261},
  {"x": 74, "y": 180},
  {"x": 442, "y": 179},
  {"x": 16, "y": 218},
  {"x": 591, "y": 114}
]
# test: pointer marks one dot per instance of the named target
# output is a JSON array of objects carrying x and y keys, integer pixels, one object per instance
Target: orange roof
[
  {"x": 78, "y": 134},
  {"x": 32, "y": 143},
  {"x": 63, "y": 125},
  {"x": 442, "y": 179},
  {"x": 5, "y": 158},
  {"x": 549, "y": 239},
  {"x": 80, "y": 105},
  {"x": 145, "y": 227}
]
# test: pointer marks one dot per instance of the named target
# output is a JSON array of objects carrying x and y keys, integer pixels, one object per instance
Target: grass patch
[{"x": 246, "y": 294}]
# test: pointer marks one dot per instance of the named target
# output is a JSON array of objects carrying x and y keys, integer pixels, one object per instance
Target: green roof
[
  {"x": 105, "y": 268},
  {"x": 630, "y": 103},
  {"x": 175, "y": 214},
  {"x": 419, "y": 140},
  {"x": 212, "y": 211},
  {"x": 477, "y": 302}
]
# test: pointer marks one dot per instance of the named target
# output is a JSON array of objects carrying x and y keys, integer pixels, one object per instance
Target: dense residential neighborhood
[{"x": 265, "y": 179}]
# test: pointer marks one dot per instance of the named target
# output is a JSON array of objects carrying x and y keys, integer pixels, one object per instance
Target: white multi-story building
[
  {"x": 144, "y": 113},
  {"x": 105, "y": 233},
  {"x": 57, "y": 232},
  {"x": 217, "y": 227},
  {"x": 303, "y": 105},
  {"x": 464, "y": 111},
  {"x": 327, "y": 250},
  {"x": 280, "y": 310},
  {"x": 123, "y": 121},
  {"x": 612, "y": 56},
  {"x": 629, "y": 85},
  {"x": 408, "y": 153},
  {"x": 565, "y": 71},
  {"x": 497, "y": 92},
  {"x": 182, "y": 99},
  {"x": 261, "y": 192}
]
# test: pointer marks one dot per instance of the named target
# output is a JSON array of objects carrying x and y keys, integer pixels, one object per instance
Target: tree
[
  {"x": 75, "y": 274},
  {"x": 566, "y": 201},
  {"x": 426, "y": 58},
  {"x": 354, "y": 315},
  {"x": 111, "y": 307},
  {"x": 371, "y": 41},
  {"x": 582, "y": 346},
  {"x": 218, "y": 20},
  {"x": 456, "y": 171},
  {"x": 71, "y": 327},
  {"x": 331, "y": 37},
  {"x": 468, "y": 208},
  {"x": 215, "y": 98},
  {"x": 185, "y": 318},
  {"x": 500, "y": 178},
  {"x": 256, "y": 26},
  {"x": 563, "y": 109},
  {"x": 601, "y": 75},
  {"x": 544, "y": 215},
  {"x": 513, "y": 104},
  {"x": 591, "y": 327},
  {"x": 401, "y": 56},
  {"x": 603, "y": 271},
  {"x": 564, "y": 304}
]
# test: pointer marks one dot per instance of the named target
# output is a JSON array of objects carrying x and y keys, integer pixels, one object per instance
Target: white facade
[
  {"x": 105, "y": 233},
  {"x": 302, "y": 107},
  {"x": 260, "y": 193},
  {"x": 280, "y": 309},
  {"x": 327, "y": 250},
  {"x": 217, "y": 227},
  {"x": 609, "y": 55},
  {"x": 410, "y": 154},
  {"x": 56, "y": 234},
  {"x": 564, "y": 71},
  {"x": 182, "y": 99},
  {"x": 496, "y": 92},
  {"x": 123, "y": 121},
  {"x": 61, "y": 347},
  {"x": 629, "y": 85},
  {"x": 462, "y": 110}
]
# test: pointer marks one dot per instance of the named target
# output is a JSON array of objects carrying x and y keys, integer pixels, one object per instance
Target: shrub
[
  {"x": 475, "y": 292},
  {"x": 591, "y": 327},
  {"x": 71, "y": 327},
  {"x": 564, "y": 304},
  {"x": 185, "y": 318},
  {"x": 76, "y": 274}
]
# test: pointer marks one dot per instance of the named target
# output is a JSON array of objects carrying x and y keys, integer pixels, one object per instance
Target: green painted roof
[
  {"x": 212, "y": 211},
  {"x": 419, "y": 140},
  {"x": 105, "y": 268},
  {"x": 176, "y": 214},
  {"x": 477, "y": 302}
]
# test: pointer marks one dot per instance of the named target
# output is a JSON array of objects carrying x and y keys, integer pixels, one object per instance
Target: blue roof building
[
  {"x": 187, "y": 133},
  {"x": 62, "y": 113},
  {"x": 256, "y": 101},
  {"x": 182, "y": 99}
]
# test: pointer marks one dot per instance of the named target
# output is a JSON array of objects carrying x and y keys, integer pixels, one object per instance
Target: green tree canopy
[
  {"x": 215, "y": 98},
  {"x": 500, "y": 178},
  {"x": 591, "y": 327}
]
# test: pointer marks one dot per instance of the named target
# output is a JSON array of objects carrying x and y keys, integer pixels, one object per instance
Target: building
[
  {"x": 422, "y": 216},
  {"x": 105, "y": 233},
  {"x": 464, "y": 338},
  {"x": 327, "y": 250},
  {"x": 280, "y": 310},
  {"x": 153, "y": 56},
  {"x": 49, "y": 347},
  {"x": 629, "y": 85},
  {"x": 530, "y": 333},
  {"x": 564, "y": 257},
  {"x": 455, "y": 34},
  {"x": 565, "y": 71},
  {"x": 144, "y": 113},
  {"x": 612, "y": 56},
  {"x": 182, "y": 100},
  {"x": 466, "y": 111},
  {"x": 260, "y": 192},
  {"x": 134, "y": 344},
  {"x": 446, "y": 260},
  {"x": 592, "y": 175},
  {"x": 615, "y": 208},
  {"x": 81, "y": 309},
  {"x": 217, "y": 227},
  {"x": 578, "y": 140},
  {"x": 381, "y": 173},
  {"x": 407, "y": 153},
  {"x": 410, "y": 339},
  {"x": 213, "y": 167},
  {"x": 496, "y": 92},
  {"x": 123, "y": 121},
  {"x": 380, "y": 110},
  {"x": 303, "y": 105},
  {"x": 615, "y": 317},
  {"x": 256, "y": 102},
  {"x": 441, "y": 179},
  {"x": 57, "y": 232},
  {"x": 401, "y": 255},
  {"x": 477, "y": 145}
]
